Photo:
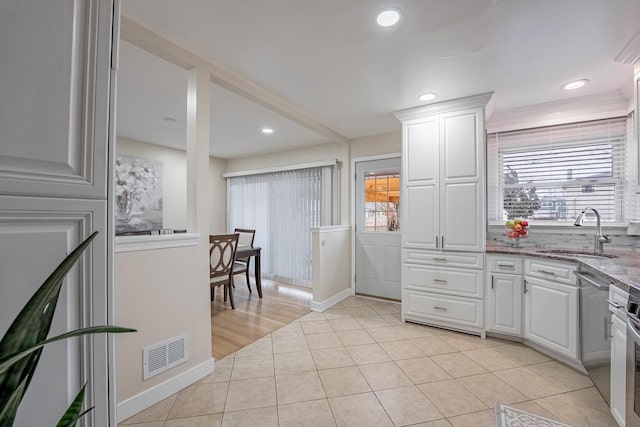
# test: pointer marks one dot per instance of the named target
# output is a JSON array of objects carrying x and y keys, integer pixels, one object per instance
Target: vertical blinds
[
  {"x": 281, "y": 207},
  {"x": 552, "y": 173}
]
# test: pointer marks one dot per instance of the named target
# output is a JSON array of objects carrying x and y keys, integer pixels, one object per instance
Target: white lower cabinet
[
  {"x": 503, "y": 294},
  {"x": 551, "y": 315},
  {"x": 503, "y": 302},
  {"x": 618, "y": 368},
  {"x": 445, "y": 310},
  {"x": 444, "y": 289}
]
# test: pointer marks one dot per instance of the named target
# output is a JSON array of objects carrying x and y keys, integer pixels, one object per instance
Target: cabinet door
[
  {"x": 551, "y": 316},
  {"x": 618, "y": 368},
  {"x": 504, "y": 303},
  {"x": 462, "y": 180},
  {"x": 420, "y": 200},
  {"x": 54, "y": 129},
  {"x": 460, "y": 225},
  {"x": 54, "y": 93}
]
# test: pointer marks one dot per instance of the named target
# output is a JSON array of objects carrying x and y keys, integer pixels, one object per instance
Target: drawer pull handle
[
  {"x": 509, "y": 266},
  {"x": 439, "y": 281},
  {"x": 439, "y": 259},
  {"x": 492, "y": 282},
  {"x": 614, "y": 304},
  {"x": 547, "y": 272},
  {"x": 435, "y": 307}
]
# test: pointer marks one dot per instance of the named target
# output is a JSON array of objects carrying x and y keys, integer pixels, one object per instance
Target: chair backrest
[
  {"x": 222, "y": 252},
  {"x": 246, "y": 236}
]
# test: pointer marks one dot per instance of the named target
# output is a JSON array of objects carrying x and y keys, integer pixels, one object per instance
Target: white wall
[
  {"x": 174, "y": 184},
  {"x": 386, "y": 143},
  {"x": 174, "y": 178},
  {"x": 160, "y": 293},
  {"x": 218, "y": 196},
  {"x": 331, "y": 265}
]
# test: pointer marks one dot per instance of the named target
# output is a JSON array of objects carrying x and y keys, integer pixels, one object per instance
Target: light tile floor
[{"x": 357, "y": 364}]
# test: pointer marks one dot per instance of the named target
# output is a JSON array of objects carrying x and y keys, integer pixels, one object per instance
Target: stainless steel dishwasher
[{"x": 595, "y": 321}]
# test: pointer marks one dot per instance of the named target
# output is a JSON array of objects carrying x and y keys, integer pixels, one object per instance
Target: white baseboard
[
  {"x": 330, "y": 302},
  {"x": 155, "y": 394}
]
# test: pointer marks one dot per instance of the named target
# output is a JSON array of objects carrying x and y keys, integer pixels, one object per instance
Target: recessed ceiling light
[
  {"x": 427, "y": 96},
  {"x": 268, "y": 131},
  {"x": 169, "y": 119},
  {"x": 388, "y": 17},
  {"x": 577, "y": 84}
]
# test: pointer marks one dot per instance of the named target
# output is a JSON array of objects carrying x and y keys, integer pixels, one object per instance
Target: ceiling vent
[{"x": 165, "y": 355}]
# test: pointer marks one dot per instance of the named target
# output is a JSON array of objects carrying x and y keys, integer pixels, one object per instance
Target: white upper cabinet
[
  {"x": 55, "y": 91},
  {"x": 444, "y": 180},
  {"x": 54, "y": 102},
  {"x": 422, "y": 165}
]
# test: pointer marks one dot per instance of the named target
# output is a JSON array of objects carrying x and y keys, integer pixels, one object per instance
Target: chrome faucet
[{"x": 600, "y": 239}]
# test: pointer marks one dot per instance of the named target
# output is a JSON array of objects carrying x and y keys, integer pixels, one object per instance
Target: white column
[{"x": 198, "y": 106}]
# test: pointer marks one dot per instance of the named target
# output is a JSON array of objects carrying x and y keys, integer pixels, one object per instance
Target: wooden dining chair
[
  {"x": 242, "y": 264},
  {"x": 222, "y": 252}
]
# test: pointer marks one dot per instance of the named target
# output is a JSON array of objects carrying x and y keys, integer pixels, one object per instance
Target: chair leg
[
  {"x": 225, "y": 292},
  {"x": 213, "y": 293},
  {"x": 247, "y": 275},
  {"x": 233, "y": 306}
]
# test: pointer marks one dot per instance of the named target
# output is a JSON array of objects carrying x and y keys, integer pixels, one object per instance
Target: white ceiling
[{"x": 332, "y": 61}]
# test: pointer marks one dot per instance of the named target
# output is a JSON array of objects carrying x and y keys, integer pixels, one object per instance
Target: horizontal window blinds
[{"x": 554, "y": 172}]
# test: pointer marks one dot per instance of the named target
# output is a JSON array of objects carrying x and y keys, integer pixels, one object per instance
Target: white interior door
[
  {"x": 377, "y": 228},
  {"x": 54, "y": 128}
]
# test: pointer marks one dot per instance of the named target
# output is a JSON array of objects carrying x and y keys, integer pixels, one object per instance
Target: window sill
[{"x": 163, "y": 241}]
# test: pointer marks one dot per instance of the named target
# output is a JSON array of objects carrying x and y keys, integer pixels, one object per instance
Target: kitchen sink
[{"x": 570, "y": 252}]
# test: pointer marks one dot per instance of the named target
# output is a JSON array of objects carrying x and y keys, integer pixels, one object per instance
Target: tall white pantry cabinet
[
  {"x": 442, "y": 213},
  {"x": 56, "y": 129}
]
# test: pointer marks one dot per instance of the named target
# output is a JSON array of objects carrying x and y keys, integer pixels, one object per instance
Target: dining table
[{"x": 243, "y": 251}]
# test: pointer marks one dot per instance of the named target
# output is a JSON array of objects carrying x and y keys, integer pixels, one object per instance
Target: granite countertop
[{"x": 623, "y": 270}]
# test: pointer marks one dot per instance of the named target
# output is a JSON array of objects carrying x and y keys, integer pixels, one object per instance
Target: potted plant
[{"x": 22, "y": 344}]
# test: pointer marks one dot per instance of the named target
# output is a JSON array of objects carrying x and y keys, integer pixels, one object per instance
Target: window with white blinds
[
  {"x": 552, "y": 173},
  {"x": 281, "y": 207}
]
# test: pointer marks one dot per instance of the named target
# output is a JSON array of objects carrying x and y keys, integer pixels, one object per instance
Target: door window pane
[{"x": 382, "y": 200}]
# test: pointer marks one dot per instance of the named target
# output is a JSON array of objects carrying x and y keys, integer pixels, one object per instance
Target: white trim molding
[
  {"x": 584, "y": 108},
  {"x": 330, "y": 228},
  {"x": 163, "y": 241},
  {"x": 330, "y": 302},
  {"x": 352, "y": 186},
  {"x": 274, "y": 169},
  {"x": 475, "y": 101},
  {"x": 131, "y": 406},
  {"x": 630, "y": 53}
]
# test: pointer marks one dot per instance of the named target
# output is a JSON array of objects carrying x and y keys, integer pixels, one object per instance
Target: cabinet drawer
[
  {"x": 510, "y": 264},
  {"x": 618, "y": 299},
  {"x": 443, "y": 280},
  {"x": 550, "y": 270},
  {"x": 444, "y": 259},
  {"x": 426, "y": 305}
]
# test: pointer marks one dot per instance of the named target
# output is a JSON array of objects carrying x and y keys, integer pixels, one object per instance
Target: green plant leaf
[
  {"x": 7, "y": 361},
  {"x": 8, "y": 411},
  {"x": 27, "y": 330},
  {"x": 72, "y": 414}
]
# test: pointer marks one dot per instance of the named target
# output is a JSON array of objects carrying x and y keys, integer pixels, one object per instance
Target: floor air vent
[{"x": 165, "y": 355}]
